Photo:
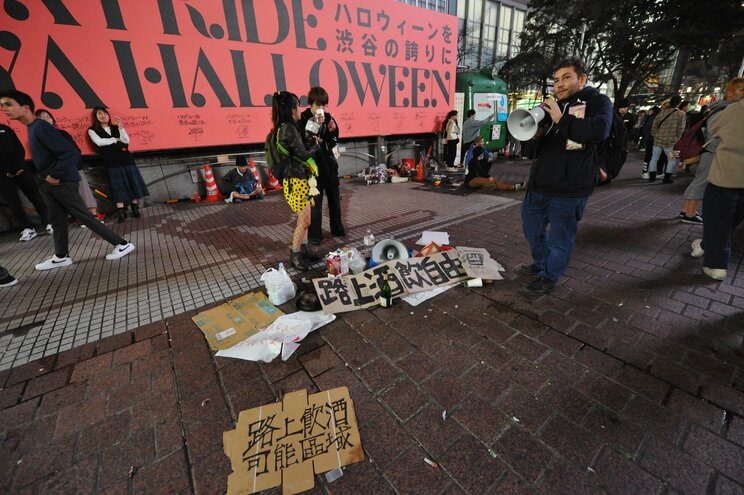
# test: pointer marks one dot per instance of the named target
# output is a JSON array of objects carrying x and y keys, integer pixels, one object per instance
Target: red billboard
[{"x": 194, "y": 73}]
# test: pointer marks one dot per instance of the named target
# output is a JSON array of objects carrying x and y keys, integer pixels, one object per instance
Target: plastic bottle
[
  {"x": 369, "y": 238},
  {"x": 386, "y": 293}
]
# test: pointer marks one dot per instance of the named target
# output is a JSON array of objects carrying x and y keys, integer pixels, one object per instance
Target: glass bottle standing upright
[{"x": 386, "y": 293}]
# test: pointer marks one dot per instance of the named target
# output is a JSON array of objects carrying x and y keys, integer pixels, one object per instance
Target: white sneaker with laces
[
  {"x": 50, "y": 229},
  {"x": 54, "y": 262},
  {"x": 715, "y": 273},
  {"x": 27, "y": 234},
  {"x": 229, "y": 199},
  {"x": 645, "y": 176},
  {"x": 120, "y": 251},
  {"x": 697, "y": 248}
]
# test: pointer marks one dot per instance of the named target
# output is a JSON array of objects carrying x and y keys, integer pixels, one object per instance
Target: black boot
[
  {"x": 135, "y": 210},
  {"x": 667, "y": 179},
  {"x": 297, "y": 261},
  {"x": 121, "y": 215},
  {"x": 309, "y": 254},
  {"x": 652, "y": 176}
]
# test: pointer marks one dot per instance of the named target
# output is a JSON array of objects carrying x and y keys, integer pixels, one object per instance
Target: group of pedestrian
[{"x": 56, "y": 159}]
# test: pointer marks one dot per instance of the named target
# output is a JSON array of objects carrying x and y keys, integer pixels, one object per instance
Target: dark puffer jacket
[{"x": 572, "y": 173}]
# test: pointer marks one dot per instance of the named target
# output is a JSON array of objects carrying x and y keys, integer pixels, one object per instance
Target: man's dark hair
[
  {"x": 575, "y": 63},
  {"x": 20, "y": 98},
  {"x": 674, "y": 101},
  {"x": 317, "y": 95},
  {"x": 471, "y": 112}
]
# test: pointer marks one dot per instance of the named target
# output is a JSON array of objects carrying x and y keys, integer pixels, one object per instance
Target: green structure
[{"x": 485, "y": 93}]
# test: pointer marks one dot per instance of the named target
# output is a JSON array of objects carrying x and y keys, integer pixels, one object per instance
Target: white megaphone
[
  {"x": 522, "y": 124},
  {"x": 389, "y": 249}
]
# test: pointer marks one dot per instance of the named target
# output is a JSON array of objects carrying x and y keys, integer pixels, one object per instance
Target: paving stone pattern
[{"x": 629, "y": 378}]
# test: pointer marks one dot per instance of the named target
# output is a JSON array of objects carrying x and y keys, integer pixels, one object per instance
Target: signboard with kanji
[
  {"x": 194, "y": 73},
  {"x": 286, "y": 443}
]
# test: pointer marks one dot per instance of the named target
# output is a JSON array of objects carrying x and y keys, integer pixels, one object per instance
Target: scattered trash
[
  {"x": 444, "y": 415},
  {"x": 333, "y": 475},
  {"x": 132, "y": 471},
  {"x": 590, "y": 470},
  {"x": 205, "y": 402},
  {"x": 431, "y": 463},
  {"x": 493, "y": 453},
  {"x": 620, "y": 304},
  {"x": 514, "y": 418}
]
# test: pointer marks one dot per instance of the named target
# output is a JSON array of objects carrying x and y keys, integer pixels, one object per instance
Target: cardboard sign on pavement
[
  {"x": 286, "y": 443},
  {"x": 478, "y": 263},
  {"x": 352, "y": 292},
  {"x": 236, "y": 320}
]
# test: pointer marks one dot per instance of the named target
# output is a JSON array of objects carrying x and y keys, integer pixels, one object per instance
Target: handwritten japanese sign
[
  {"x": 352, "y": 292},
  {"x": 192, "y": 73},
  {"x": 478, "y": 263},
  {"x": 287, "y": 442}
]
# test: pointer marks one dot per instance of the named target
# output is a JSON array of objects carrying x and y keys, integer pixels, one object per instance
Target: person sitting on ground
[
  {"x": 479, "y": 167},
  {"x": 239, "y": 183}
]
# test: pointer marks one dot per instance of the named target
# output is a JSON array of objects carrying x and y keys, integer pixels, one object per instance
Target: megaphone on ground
[
  {"x": 389, "y": 249},
  {"x": 522, "y": 124}
]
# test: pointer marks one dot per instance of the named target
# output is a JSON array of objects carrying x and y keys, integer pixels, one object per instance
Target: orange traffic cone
[
  {"x": 273, "y": 181},
  {"x": 253, "y": 168},
  {"x": 420, "y": 174},
  {"x": 213, "y": 194}
]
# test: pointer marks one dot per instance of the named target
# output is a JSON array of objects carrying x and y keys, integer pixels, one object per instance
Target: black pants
[
  {"x": 463, "y": 150},
  {"x": 315, "y": 232},
  {"x": 26, "y": 182},
  {"x": 450, "y": 152},
  {"x": 64, "y": 199}
]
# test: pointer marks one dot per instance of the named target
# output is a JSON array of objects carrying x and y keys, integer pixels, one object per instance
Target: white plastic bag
[
  {"x": 279, "y": 286},
  {"x": 357, "y": 262}
]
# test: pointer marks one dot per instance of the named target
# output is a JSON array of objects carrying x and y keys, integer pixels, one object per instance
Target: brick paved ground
[{"x": 629, "y": 378}]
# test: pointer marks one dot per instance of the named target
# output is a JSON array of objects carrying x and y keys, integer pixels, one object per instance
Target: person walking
[
  {"x": 724, "y": 195},
  {"x": 15, "y": 175},
  {"x": 667, "y": 128},
  {"x": 328, "y": 182},
  {"x": 85, "y": 193},
  {"x": 112, "y": 141},
  {"x": 695, "y": 191},
  {"x": 56, "y": 166},
  {"x": 564, "y": 174}
]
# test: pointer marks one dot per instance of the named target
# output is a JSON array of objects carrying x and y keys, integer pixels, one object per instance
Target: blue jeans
[
  {"x": 723, "y": 212},
  {"x": 551, "y": 248},
  {"x": 655, "y": 159}
]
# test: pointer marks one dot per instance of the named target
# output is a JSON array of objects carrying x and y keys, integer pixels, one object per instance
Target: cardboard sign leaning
[{"x": 286, "y": 443}]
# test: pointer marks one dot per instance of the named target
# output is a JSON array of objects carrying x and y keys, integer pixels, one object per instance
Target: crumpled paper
[{"x": 283, "y": 337}]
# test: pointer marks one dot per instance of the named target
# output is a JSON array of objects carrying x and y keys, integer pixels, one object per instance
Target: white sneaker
[
  {"x": 229, "y": 199},
  {"x": 49, "y": 229},
  {"x": 715, "y": 273},
  {"x": 28, "y": 234},
  {"x": 697, "y": 248},
  {"x": 120, "y": 251},
  {"x": 54, "y": 262},
  {"x": 645, "y": 176}
]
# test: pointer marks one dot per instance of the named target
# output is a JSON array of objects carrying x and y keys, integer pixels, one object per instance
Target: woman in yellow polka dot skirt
[{"x": 285, "y": 113}]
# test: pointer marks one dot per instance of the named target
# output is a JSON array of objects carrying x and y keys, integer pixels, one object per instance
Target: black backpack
[{"x": 613, "y": 151}]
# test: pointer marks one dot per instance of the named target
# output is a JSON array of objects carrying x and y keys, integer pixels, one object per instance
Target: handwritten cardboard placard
[
  {"x": 478, "y": 263},
  {"x": 286, "y": 443},
  {"x": 352, "y": 292}
]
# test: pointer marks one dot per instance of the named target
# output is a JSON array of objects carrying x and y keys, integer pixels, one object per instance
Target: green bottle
[{"x": 386, "y": 293}]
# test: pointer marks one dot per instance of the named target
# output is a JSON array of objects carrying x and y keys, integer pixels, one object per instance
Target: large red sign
[{"x": 184, "y": 74}]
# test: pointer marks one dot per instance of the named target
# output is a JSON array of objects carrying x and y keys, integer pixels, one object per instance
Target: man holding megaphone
[{"x": 564, "y": 174}]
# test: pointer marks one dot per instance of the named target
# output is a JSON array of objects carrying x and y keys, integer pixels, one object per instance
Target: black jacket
[
  {"x": 327, "y": 164},
  {"x": 12, "y": 154},
  {"x": 572, "y": 173}
]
